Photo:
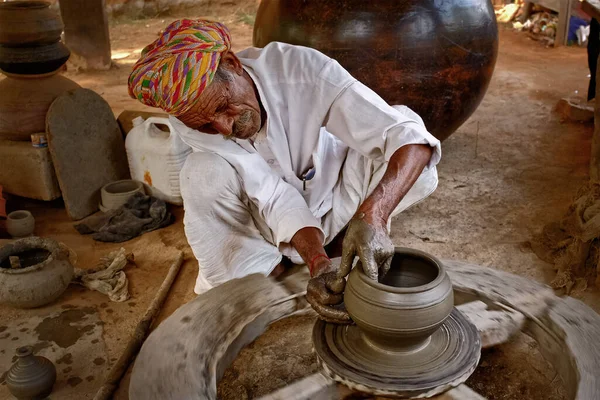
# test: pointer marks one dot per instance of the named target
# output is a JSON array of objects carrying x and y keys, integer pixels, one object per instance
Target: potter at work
[{"x": 291, "y": 154}]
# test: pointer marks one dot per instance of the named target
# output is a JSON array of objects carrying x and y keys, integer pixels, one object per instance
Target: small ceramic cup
[
  {"x": 20, "y": 224},
  {"x": 115, "y": 194}
]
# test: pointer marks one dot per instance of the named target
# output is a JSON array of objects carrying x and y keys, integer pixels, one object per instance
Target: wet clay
[
  {"x": 408, "y": 339},
  {"x": 60, "y": 329}
]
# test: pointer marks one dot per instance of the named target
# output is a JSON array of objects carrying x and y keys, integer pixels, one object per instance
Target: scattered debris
[{"x": 573, "y": 244}]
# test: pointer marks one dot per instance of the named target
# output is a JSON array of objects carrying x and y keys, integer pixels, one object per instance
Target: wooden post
[
  {"x": 592, "y": 8},
  {"x": 86, "y": 32},
  {"x": 564, "y": 18}
]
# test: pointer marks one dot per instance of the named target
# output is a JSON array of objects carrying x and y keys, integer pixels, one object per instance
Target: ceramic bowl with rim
[
  {"x": 115, "y": 194},
  {"x": 401, "y": 311},
  {"x": 20, "y": 224}
]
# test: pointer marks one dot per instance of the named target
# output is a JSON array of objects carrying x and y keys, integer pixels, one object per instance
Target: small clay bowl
[
  {"x": 400, "y": 312},
  {"x": 20, "y": 224},
  {"x": 115, "y": 194}
]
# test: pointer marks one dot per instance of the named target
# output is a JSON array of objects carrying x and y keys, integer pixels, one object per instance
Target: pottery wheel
[{"x": 446, "y": 360}]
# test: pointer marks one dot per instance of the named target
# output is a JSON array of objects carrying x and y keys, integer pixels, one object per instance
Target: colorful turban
[{"x": 174, "y": 70}]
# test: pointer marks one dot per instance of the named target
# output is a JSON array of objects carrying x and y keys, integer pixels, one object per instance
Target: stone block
[{"x": 27, "y": 171}]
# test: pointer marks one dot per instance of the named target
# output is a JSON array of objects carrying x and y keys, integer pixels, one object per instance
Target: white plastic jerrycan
[{"x": 156, "y": 157}]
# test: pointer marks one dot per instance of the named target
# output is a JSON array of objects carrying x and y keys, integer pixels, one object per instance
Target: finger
[
  {"x": 329, "y": 314},
  {"x": 336, "y": 285},
  {"x": 385, "y": 267},
  {"x": 369, "y": 264},
  {"x": 348, "y": 255},
  {"x": 317, "y": 289}
]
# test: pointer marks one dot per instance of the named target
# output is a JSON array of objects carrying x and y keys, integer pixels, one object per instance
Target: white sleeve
[{"x": 366, "y": 123}]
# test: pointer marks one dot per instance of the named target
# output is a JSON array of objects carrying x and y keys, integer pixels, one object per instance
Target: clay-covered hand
[
  {"x": 325, "y": 294},
  {"x": 371, "y": 243}
]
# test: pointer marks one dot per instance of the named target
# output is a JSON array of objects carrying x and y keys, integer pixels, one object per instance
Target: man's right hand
[{"x": 325, "y": 293}]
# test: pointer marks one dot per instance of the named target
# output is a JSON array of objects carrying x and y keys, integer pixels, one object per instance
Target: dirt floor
[{"x": 510, "y": 169}]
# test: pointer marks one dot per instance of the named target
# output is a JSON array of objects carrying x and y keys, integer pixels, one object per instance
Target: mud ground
[{"x": 511, "y": 168}]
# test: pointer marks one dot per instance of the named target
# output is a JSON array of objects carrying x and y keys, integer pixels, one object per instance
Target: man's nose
[{"x": 223, "y": 124}]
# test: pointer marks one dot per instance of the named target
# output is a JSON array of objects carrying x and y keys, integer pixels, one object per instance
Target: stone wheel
[{"x": 498, "y": 303}]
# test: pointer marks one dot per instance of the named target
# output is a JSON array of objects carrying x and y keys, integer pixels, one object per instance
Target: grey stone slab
[{"x": 87, "y": 149}]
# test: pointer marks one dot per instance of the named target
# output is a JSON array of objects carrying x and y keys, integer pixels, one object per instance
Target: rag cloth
[
  {"x": 573, "y": 244},
  {"x": 139, "y": 215},
  {"x": 174, "y": 70},
  {"x": 108, "y": 277}
]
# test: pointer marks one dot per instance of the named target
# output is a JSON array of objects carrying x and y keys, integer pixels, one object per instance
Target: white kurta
[{"x": 321, "y": 123}]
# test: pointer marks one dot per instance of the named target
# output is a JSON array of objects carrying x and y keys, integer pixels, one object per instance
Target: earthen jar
[
  {"x": 44, "y": 275},
  {"x": 31, "y": 377},
  {"x": 20, "y": 224},
  {"x": 34, "y": 60},
  {"x": 406, "y": 307},
  {"x": 25, "y": 101},
  {"x": 29, "y": 23}
]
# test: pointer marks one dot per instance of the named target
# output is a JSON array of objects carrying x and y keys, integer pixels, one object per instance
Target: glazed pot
[
  {"x": 33, "y": 60},
  {"x": 31, "y": 377},
  {"x": 25, "y": 101},
  {"x": 29, "y": 23},
  {"x": 115, "y": 194},
  {"x": 44, "y": 275},
  {"x": 436, "y": 57},
  {"x": 410, "y": 303},
  {"x": 20, "y": 224}
]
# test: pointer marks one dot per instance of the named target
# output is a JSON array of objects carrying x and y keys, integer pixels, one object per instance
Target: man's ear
[{"x": 232, "y": 62}]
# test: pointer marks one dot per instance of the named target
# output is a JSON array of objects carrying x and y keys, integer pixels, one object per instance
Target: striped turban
[{"x": 174, "y": 70}]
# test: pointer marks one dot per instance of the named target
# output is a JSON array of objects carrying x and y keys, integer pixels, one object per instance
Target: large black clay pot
[{"x": 437, "y": 57}]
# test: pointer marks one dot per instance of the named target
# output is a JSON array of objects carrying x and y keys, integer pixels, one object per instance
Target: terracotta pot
[
  {"x": 437, "y": 57},
  {"x": 44, "y": 275},
  {"x": 33, "y": 60},
  {"x": 406, "y": 307},
  {"x": 25, "y": 101},
  {"x": 29, "y": 23},
  {"x": 115, "y": 194},
  {"x": 31, "y": 377},
  {"x": 20, "y": 224}
]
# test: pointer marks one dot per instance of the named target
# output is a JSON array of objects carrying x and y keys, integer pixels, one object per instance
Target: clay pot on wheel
[
  {"x": 406, "y": 307},
  {"x": 44, "y": 273},
  {"x": 29, "y": 23},
  {"x": 31, "y": 377},
  {"x": 25, "y": 101},
  {"x": 33, "y": 60}
]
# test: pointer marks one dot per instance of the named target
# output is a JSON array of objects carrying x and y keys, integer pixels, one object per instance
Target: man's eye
[{"x": 221, "y": 108}]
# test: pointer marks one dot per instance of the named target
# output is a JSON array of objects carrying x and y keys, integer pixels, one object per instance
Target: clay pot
[
  {"x": 33, "y": 60},
  {"x": 29, "y": 23},
  {"x": 20, "y": 224},
  {"x": 44, "y": 275},
  {"x": 115, "y": 194},
  {"x": 25, "y": 101},
  {"x": 437, "y": 57},
  {"x": 402, "y": 311},
  {"x": 31, "y": 377}
]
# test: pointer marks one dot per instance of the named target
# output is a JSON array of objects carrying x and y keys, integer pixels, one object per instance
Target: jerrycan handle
[{"x": 158, "y": 121}]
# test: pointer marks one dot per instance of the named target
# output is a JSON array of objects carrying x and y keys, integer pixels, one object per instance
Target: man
[{"x": 290, "y": 153}]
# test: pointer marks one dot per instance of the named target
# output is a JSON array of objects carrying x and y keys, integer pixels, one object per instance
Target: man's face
[{"x": 229, "y": 108}]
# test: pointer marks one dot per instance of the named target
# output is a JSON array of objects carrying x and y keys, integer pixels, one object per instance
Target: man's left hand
[{"x": 371, "y": 243}]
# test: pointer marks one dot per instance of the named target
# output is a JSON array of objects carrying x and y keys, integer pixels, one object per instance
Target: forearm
[
  {"x": 403, "y": 170},
  {"x": 308, "y": 242}
]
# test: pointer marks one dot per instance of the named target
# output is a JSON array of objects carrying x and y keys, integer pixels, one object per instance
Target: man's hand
[
  {"x": 371, "y": 243},
  {"x": 325, "y": 293}
]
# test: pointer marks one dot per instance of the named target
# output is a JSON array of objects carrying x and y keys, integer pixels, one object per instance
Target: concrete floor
[{"x": 512, "y": 168}]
